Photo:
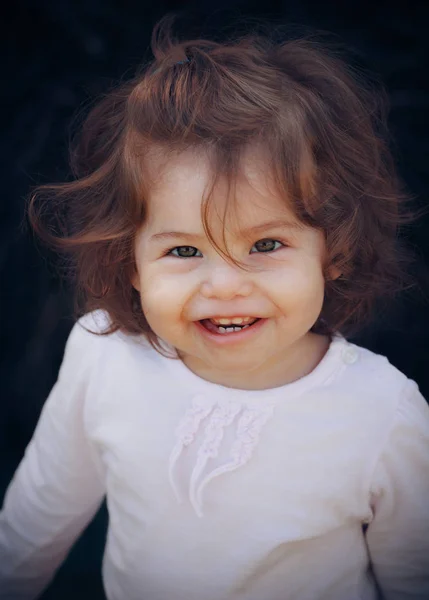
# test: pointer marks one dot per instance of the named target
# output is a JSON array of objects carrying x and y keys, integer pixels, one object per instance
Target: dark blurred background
[{"x": 57, "y": 56}]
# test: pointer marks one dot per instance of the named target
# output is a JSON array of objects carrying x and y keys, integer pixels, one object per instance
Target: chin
[{"x": 235, "y": 366}]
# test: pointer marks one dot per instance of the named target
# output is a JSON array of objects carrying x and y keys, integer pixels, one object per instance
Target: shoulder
[
  {"x": 383, "y": 408},
  {"x": 93, "y": 329},
  {"x": 393, "y": 402},
  {"x": 86, "y": 334},
  {"x": 373, "y": 382},
  {"x": 97, "y": 321},
  {"x": 90, "y": 338},
  {"x": 402, "y": 457},
  {"x": 376, "y": 370},
  {"x": 119, "y": 369}
]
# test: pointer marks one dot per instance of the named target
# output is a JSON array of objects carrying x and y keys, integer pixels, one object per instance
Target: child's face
[{"x": 285, "y": 291}]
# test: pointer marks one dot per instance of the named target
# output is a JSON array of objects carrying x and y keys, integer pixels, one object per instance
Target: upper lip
[{"x": 231, "y": 316}]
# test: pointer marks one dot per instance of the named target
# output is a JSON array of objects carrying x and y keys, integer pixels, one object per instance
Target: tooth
[{"x": 234, "y": 320}]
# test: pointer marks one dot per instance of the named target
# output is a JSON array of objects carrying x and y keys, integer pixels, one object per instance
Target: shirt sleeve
[
  {"x": 58, "y": 485},
  {"x": 398, "y": 535}
]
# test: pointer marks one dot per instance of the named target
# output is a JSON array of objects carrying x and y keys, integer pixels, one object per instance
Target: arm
[
  {"x": 58, "y": 486},
  {"x": 398, "y": 536}
]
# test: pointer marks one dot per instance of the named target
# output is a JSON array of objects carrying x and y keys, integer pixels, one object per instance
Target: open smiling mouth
[{"x": 224, "y": 327}]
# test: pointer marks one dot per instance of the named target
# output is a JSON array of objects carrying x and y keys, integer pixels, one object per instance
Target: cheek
[
  {"x": 299, "y": 291},
  {"x": 298, "y": 281},
  {"x": 161, "y": 296}
]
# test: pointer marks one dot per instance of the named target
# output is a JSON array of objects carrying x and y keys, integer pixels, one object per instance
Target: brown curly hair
[{"x": 322, "y": 127}]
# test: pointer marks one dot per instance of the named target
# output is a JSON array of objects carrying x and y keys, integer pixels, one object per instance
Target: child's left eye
[
  {"x": 184, "y": 251},
  {"x": 267, "y": 245}
]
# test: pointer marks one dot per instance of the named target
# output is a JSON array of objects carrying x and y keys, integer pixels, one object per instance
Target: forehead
[{"x": 178, "y": 185}]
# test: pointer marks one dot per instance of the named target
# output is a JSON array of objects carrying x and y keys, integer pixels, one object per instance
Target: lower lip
[{"x": 231, "y": 338}]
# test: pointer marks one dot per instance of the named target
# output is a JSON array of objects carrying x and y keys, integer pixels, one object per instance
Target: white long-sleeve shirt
[{"x": 222, "y": 494}]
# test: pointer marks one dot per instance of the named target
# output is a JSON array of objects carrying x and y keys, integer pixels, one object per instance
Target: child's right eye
[{"x": 184, "y": 252}]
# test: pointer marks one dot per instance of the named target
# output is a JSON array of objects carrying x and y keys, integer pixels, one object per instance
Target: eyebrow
[{"x": 275, "y": 224}]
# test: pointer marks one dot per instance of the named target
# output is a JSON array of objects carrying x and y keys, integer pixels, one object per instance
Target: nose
[{"x": 226, "y": 281}]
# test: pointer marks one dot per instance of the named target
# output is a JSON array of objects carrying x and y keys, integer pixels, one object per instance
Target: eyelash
[{"x": 170, "y": 251}]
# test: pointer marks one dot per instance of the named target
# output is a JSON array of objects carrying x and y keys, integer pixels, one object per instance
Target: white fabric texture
[{"x": 222, "y": 494}]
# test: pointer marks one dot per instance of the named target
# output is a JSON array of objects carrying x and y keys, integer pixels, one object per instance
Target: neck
[{"x": 286, "y": 369}]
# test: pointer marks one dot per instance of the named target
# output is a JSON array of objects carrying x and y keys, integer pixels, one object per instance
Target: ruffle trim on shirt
[{"x": 216, "y": 416}]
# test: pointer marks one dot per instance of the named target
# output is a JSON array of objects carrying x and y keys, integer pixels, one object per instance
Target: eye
[
  {"x": 267, "y": 245},
  {"x": 184, "y": 252}
]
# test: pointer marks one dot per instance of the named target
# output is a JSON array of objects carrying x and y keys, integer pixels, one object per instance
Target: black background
[{"x": 59, "y": 54}]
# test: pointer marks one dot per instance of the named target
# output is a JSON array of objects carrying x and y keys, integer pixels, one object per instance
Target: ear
[
  {"x": 135, "y": 281},
  {"x": 333, "y": 273}
]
